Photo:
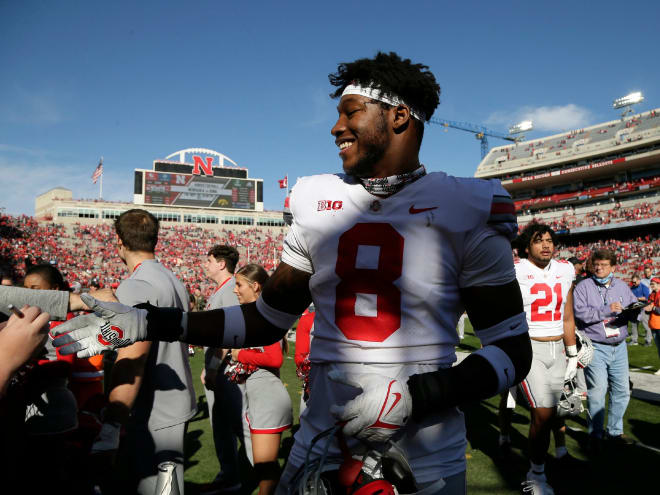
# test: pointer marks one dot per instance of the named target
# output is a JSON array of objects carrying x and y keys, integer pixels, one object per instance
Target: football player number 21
[
  {"x": 374, "y": 280},
  {"x": 540, "y": 309}
]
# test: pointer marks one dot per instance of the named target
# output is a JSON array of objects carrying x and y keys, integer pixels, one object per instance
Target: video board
[{"x": 202, "y": 191}]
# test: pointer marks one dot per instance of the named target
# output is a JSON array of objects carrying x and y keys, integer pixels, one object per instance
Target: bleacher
[{"x": 516, "y": 160}]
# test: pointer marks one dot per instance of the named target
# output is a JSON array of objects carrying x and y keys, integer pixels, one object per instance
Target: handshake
[{"x": 110, "y": 326}]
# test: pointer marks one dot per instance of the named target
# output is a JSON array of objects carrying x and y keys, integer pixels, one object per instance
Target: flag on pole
[
  {"x": 284, "y": 183},
  {"x": 98, "y": 172}
]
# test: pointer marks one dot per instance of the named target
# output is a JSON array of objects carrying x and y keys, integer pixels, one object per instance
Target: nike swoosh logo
[
  {"x": 414, "y": 211},
  {"x": 397, "y": 398}
]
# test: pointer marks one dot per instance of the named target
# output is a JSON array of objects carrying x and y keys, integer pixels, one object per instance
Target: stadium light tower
[
  {"x": 519, "y": 128},
  {"x": 627, "y": 102}
]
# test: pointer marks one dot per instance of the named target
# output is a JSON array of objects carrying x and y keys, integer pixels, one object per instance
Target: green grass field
[{"x": 626, "y": 469}]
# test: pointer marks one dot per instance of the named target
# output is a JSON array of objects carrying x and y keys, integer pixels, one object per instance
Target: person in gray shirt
[
  {"x": 151, "y": 390},
  {"x": 219, "y": 266}
]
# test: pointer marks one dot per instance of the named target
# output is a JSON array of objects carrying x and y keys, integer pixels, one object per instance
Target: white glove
[
  {"x": 112, "y": 325},
  {"x": 572, "y": 363},
  {"x": 375, "y": 415},
  {"x": 107, "y": 439}
]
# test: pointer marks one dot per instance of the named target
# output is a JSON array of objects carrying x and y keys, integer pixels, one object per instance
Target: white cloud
[
  {"x": 26, "y": 175},
  {"x": 546, "y": 119}
]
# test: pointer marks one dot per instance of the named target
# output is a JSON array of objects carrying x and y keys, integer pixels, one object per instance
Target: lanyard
[{"x": 607, "y": 289}]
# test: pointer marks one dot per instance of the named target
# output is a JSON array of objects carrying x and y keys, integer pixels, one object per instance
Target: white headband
[{"x": 377, "y": 94}]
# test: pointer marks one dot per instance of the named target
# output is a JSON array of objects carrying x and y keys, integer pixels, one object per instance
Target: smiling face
[
  {"x": 540, "y": 249},
  {"x": 245, "y": 290},
  {"x": 361, "y": 133}
]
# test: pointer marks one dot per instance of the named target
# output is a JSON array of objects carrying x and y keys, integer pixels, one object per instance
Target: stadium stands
[
  {"x": 515, "y": 160},
  {"x": 85, "y": 253}
]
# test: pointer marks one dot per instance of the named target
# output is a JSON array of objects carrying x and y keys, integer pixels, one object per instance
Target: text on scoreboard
[{"x": 162, "y": 188}]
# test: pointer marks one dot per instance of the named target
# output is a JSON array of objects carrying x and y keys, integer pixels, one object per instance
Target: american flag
[{"x": 98, "y": 172}]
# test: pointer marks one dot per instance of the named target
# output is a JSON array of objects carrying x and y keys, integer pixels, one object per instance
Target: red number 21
[
  {"x": 546, "y": 300},
  {"x": 378, "y": 280}
]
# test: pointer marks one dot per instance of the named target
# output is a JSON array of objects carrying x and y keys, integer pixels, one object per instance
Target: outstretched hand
[
  {"x": 110, "y": 326},
  {"x": 21, "y": 336},
  {"x": 378, "y": 413}
]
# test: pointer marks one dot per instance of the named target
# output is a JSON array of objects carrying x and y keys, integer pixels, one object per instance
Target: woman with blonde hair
[{"x": 266, "y": 403}]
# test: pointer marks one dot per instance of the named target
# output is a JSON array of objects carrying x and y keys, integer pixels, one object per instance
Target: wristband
[
  {"x": 571, "y": 351},
  {"x": 502, "y": 364}
]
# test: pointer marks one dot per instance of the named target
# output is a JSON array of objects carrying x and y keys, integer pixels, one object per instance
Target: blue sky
[{"x": 136, "y": 81}]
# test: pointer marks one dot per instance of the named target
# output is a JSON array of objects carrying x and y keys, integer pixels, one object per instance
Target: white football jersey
[
  {"x": 386, "y": 272},
  {"x": 385, "y": 281},
  {"x": 544, "y": 292}
]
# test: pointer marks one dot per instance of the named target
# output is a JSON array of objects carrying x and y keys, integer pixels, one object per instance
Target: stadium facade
[
  {"x": 581, "y": 172},
  {"x": 194, "y": 186}
]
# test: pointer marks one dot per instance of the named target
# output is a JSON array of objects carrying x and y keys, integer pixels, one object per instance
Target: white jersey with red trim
[
  {"x": 385, "y": 280},
  {"x": 386, "y": 272},
  {"x": 544, "y": 292}
]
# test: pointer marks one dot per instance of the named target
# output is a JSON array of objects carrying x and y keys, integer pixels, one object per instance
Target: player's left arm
[
  {"x": 500, "y": 364},
  {"x": 493, "y": 301}
]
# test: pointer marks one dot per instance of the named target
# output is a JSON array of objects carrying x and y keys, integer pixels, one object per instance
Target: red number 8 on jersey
[{"x": 378, "y": 280}]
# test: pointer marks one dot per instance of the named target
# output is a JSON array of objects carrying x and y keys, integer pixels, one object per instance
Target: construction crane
[{"x": 480, "y": 132}]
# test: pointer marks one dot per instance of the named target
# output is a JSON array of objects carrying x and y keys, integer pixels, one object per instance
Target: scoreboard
[{"x": 203, "y": 191}]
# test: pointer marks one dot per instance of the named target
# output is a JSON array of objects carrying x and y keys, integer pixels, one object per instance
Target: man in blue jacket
[
  {"x": 599, "y": 305},
  {"x": 641, "y": 292}
]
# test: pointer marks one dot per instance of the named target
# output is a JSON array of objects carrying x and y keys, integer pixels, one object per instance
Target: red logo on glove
[
  {"x": 397, "y": 398},
  {"x": 110, "y": 334}
]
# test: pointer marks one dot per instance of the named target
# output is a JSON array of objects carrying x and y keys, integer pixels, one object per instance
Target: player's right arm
[{"x": 285, "y": 296}]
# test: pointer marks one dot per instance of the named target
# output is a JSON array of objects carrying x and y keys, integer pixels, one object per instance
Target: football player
[
  {"x": 391, "y": 256},
  {"x": 547, "y": 289}
]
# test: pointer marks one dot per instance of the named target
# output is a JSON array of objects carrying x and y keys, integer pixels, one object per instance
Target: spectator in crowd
[
  {"x": 151, "y": 393},
  {"x": 267, "y": 405},
  {"x": 198, "y": 300},
  {"x": 648, "y": 275},
  {"x": 653, "y": 309},
  {"x": 599, "y": 303},
  {"x": 641, "y": 292},
  {"x": 220, "y": 264}
]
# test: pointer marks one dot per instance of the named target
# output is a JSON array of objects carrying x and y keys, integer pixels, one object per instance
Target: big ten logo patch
[{"x": 325, "y": 205}]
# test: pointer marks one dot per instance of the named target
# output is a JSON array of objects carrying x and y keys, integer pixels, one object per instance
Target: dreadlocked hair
[
  {"x": 529, "y": 234},
  {"x": 412, "y": 83}
]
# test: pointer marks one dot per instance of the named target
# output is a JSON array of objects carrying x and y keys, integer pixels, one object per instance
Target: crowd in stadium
[
  {"x": 83, "y": 254},
  {"x": 601, "y": 215}
]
